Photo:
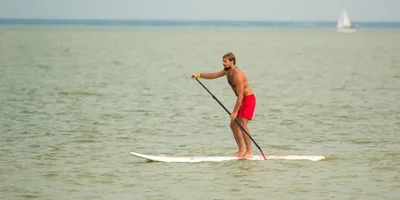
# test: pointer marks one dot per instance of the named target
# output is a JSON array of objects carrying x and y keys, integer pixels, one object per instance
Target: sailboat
[{"x": 343, "y": 24}]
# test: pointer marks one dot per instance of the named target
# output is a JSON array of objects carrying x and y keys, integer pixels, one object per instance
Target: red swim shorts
[{"x": 246, "y": 110}]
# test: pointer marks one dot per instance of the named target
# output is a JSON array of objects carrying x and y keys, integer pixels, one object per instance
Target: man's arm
[
  {"x": 239, "y": 91},
  {"x": 212, "y": 75}
]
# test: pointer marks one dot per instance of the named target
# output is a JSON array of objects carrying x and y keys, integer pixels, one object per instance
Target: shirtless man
[{"x": 245, "y": 103}]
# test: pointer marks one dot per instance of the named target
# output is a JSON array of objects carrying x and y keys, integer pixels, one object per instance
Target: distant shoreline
[{"x": 189, "y": 23}]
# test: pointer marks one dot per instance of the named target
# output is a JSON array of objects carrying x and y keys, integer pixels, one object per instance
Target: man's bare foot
[
  {"x": 238, "y": 154},
  {"x": 246, "y": 155}
]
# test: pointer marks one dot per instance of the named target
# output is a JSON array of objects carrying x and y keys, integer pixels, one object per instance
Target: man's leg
[
  {"x": 247, "y": 140},
  {"x": 237, "y": 134}
]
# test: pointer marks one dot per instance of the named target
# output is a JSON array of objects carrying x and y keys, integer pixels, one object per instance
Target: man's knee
[{"x": 233, "y": 124}]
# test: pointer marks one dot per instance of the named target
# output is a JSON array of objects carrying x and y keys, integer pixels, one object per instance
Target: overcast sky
[{"x": 293, "y": 10}]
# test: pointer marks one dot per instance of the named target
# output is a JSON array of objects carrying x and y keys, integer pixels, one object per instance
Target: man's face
[{"x": 226, "y": 62}]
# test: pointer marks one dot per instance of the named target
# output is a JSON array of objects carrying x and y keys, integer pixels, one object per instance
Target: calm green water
[{"x": 75, "y": 102}]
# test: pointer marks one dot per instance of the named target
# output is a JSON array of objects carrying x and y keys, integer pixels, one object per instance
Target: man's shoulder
[{"x": 240, "y": 72}]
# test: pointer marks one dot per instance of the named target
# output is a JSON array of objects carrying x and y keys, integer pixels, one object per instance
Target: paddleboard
[{"x": 195, "y": 159}]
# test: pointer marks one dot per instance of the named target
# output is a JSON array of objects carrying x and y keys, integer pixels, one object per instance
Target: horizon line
[{"x": 186, "y": 20}]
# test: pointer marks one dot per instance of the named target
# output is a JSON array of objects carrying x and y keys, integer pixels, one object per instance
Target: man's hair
[{"x": 230, "y": 57}]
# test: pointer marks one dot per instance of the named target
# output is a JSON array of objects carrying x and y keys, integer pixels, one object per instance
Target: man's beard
[{"x": 227, "y": 68}]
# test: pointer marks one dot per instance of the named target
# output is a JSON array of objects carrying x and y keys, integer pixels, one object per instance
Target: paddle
[{"x": 235, "y": 118}]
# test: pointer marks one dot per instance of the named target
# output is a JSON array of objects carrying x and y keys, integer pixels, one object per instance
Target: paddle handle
[{"x": 241, "y": 127}]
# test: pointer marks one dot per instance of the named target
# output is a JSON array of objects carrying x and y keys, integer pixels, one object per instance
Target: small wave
[{"x": 80, "y": 93}]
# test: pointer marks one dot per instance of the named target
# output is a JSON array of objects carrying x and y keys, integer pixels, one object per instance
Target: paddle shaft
[{"x": 241, "y": 127}]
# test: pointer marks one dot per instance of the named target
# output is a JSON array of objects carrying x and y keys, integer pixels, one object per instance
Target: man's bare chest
[{"x": 231, "y": 80}]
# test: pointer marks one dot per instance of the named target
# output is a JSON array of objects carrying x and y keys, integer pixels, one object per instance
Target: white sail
[{"x": 344, "y": 24}]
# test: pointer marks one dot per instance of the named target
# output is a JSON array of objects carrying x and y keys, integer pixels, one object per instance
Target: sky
[{"x": 260, "y": 10}]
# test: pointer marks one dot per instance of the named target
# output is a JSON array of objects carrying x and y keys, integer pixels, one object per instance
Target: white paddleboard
[{"x": 196, "y": 159}]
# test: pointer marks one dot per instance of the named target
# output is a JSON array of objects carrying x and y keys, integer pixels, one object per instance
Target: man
[{"x": 245, "y": 103}]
